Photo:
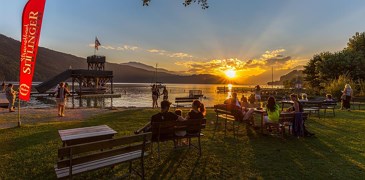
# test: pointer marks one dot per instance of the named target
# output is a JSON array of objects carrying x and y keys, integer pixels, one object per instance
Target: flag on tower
[{"x": 97, "y": 43}]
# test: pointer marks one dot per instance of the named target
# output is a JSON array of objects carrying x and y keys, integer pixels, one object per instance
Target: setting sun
[{"x": 230, "y": 73}]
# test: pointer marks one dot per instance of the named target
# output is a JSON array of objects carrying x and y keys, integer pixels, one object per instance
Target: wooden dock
[{"x": 99, "y": 96}]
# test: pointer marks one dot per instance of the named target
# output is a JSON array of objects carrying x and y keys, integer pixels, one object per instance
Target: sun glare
[{"x": 230, "y": 73}]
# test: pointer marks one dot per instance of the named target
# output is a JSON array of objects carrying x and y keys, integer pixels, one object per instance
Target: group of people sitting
[
  {"x": 272, "y": 114},
  {"x": 241, "y": 113},
  {"x": 197, "y": 111}
]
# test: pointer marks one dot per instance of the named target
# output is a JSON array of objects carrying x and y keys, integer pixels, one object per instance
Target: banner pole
[{"x": 19, "y": 122}]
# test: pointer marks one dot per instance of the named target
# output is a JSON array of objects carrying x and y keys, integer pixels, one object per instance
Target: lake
[{"x": 139, "y": 95}]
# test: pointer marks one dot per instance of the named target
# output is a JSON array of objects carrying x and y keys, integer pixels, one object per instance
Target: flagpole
[{"x": 19, "y": 122}]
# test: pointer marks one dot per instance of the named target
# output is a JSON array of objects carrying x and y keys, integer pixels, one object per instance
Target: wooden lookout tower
[{"x": 92, "y": 80}]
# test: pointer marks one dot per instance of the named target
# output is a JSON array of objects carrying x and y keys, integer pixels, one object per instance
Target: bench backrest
[
  {"x": 190, "y": 125},
  {"x": 162, "y": 131},
  {"x": 77, "y": 154},
  {"x": 329, "y": 104},
  {"x": 358, "y": 99}
]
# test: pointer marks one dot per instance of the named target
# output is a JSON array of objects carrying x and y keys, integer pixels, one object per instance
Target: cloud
[
  {"x": 127, "y": 48},
  {"x": 156, "y": 51},
  {"x": 245, "y": 68},
  {"x": 180, "y": 55},
  {"x": 119, "y": 48},
  {"x": 170, "y": 54}
]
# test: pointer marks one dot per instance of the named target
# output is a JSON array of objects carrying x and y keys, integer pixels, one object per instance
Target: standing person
[
  {"x": 10, "y": 95},
  {"x": 257, "y": 93},
  {"x": 347, "y": 93},
  {"x": 165, "y": 93},
  {"x": 60, "y": 98},
  {"x": 154, "y": 96}
]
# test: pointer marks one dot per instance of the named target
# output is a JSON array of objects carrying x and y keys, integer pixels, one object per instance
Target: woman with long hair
[
  {"x": 347, "y": 93},
  {"x": 273, "y": 111},
  {"x": 197, "y": 110}
]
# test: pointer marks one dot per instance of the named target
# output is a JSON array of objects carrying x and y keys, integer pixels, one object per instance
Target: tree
[
  {"x": 203, "y": 3},
  {"x": 325, "y": 67},
  {"x": 357, "y": 43}
]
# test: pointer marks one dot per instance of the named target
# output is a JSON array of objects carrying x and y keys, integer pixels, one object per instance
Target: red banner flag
[{"x": 31, "y": 30}]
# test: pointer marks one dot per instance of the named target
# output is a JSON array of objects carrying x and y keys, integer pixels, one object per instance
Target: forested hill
[{"x": 50, "y": 63}]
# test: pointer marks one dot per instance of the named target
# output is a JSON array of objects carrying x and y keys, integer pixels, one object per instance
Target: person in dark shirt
[{"x": 164, "y": 115}]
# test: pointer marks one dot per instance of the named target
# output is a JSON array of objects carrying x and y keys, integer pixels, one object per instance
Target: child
[
  {"x": 180, "y": 133},
  {"x": 329, "y": 98}
]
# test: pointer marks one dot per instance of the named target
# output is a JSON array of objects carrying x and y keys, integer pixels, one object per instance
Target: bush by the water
[{"x": 336, "y": 86}]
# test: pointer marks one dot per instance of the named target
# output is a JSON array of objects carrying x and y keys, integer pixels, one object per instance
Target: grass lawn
[{"x": 337, "y": 151}]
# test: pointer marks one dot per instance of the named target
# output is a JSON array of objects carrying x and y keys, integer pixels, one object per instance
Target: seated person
[
  {"x": 329, "y": 98},
  {"x": 304, "y": 97},
  {"x": 244, "y": 101},
  {"x": 178, "y": 112},
  {"x": 162, "y": 116},
  {"x": 240, "y": 113},
  {"x": 273, "y": 111},
  {"x": 197, "y": 112}
]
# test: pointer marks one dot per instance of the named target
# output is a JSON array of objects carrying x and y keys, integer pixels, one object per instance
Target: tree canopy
[
  {"x": 203, "y": 3},
  {"x": 324, "y": 67}
]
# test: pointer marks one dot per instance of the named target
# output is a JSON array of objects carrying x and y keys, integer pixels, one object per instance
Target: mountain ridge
[{"x": 51, "y": 62}]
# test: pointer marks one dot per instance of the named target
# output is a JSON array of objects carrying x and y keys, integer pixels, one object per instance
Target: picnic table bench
[
  {"x": 285, "y": 119},
  {"x": 86, "y": 134},
  {"x": 357, "y": 101},
  {"x": 314, "y": 106},
  {"x": 223, "y": 111},
  {"x": 88, "y": 156}
]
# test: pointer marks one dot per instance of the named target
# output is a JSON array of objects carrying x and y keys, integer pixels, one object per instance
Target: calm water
[{"x": 139, "y": 95}]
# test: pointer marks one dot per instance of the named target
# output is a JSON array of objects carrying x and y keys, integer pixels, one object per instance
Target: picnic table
[
  {"x": 262, "y": 112},
  {"x": 86, "y": 134},
  {"x": 308, "y": 106}
]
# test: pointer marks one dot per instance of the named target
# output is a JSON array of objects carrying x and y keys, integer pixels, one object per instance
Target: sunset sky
[{"x": 247, "y": 36}]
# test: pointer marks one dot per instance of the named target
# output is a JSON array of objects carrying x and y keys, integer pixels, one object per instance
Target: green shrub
[
  {"x": 336, "y": 86},
  {"x": 361, "y": 88}
]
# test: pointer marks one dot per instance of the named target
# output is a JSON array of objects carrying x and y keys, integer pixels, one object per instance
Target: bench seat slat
[{"x": 97, "y": 164}]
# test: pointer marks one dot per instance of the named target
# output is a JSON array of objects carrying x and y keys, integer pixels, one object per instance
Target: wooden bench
[
  {"x": 165, "y": 131},
  {"x": 185, "y": 100},
  {"x": 357, "y": 101},
  {"x": 330, "y": 105},
  {"x": 76, "y": 159},
  {"x": 223, "y": 111}
]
